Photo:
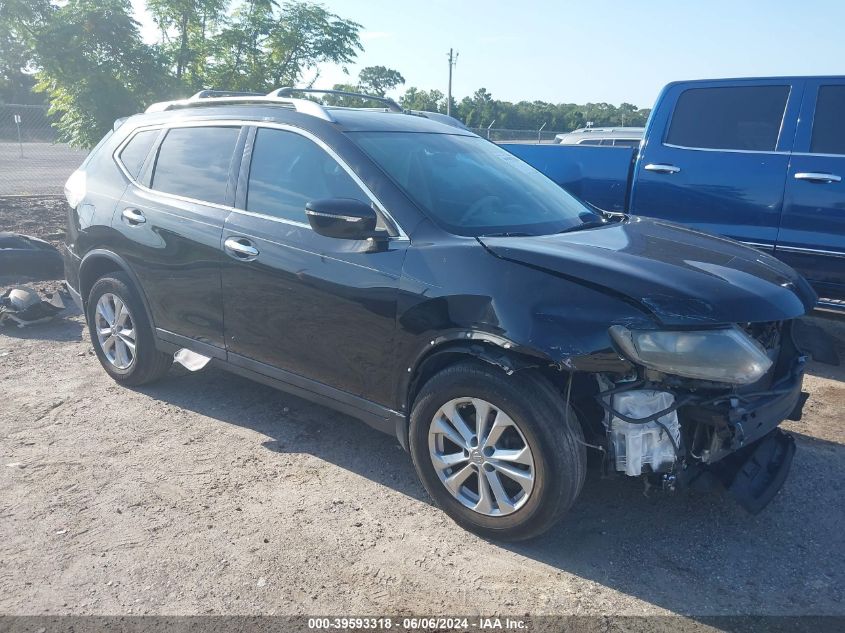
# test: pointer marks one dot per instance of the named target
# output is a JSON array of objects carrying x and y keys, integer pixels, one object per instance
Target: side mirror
[{"x": 343, "y": 218}]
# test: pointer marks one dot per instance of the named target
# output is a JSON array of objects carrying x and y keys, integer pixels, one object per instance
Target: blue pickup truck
[{"x": 758, "y": 160}]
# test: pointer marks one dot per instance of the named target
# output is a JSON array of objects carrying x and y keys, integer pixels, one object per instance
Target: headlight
[{"x": 727, "y": 355}]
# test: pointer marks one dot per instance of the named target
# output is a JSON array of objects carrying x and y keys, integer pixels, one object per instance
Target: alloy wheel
[
  {"x": 115, "y": 329},
  {"x": 481, "y": 456}
]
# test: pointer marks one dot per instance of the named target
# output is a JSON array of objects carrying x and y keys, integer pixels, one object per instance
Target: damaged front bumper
[{"x": 691, "y": 434}]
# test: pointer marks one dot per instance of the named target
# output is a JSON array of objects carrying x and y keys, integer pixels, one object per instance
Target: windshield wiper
[
  {"x": 507, "y": 234},
  {"x": 586, "y": 225}
]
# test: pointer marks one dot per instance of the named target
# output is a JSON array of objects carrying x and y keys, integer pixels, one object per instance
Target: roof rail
[
  {"x": 203, "y": 99},
  {"x": 288, "y": 91},
  {"x": 208, "y": 94}
]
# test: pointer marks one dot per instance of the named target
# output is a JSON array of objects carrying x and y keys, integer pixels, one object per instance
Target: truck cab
[{"x": 759, "y": 160}]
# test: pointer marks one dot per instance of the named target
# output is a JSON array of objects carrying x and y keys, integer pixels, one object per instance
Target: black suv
[{"x": 411, "y": 274}]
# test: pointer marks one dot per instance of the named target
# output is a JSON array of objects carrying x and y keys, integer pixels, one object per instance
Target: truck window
[
  {"x": 733, "y": 117},
  {"x": 829, "y": 121}
]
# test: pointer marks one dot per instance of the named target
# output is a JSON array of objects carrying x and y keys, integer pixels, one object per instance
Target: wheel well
[
  {"x": 584, "y": 385},
  {"x": 95, "y": 268},
  {"x": 445, "y": 356}
]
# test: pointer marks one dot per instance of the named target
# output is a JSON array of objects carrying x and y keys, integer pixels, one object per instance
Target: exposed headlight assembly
[{"x": 725, "y": 355}]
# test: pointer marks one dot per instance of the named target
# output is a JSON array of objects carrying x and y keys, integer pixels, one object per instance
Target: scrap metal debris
[
  {"x": 26, "y": 255},
  {"x": 191, "y": 360},
  {"x": 25, "y": 306}
]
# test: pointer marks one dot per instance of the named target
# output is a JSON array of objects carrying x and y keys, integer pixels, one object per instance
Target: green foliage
[
  {"x": 373, "y": 80},
  {"x": 187, "y": 28},
  {"x": 428, "y": 100},
  {"x": 94, "y": 67},
  {"x": 482, "y": 109},
  {"x": 267, "y": 46},
  {"x": 88, "y": 58},
  {"x": 18, "y": 19},
  {"x": 377, "y": 80}
]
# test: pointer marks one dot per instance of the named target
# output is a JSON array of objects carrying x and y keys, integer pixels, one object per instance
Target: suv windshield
[{"x": 473, "y": 187}]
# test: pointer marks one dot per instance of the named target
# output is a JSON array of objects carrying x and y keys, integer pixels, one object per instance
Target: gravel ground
[
  {"x": 38, "y": 216},
  {"x": 209, "y": 494}
]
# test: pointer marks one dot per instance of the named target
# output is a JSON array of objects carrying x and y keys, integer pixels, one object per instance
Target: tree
[
  {"x": 427, "y": 100},
  {"x": 377, "y": 80},
  {"x": 195, "y": 22},
  {"x": 94, "y": 68},
  {"x": 267, "y": 46},
  {"x": 18, "y": 18}
]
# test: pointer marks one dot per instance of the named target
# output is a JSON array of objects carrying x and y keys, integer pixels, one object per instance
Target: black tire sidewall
[
  {"x": 555, "y": 484},
  {"x": 119, "y": 285}
]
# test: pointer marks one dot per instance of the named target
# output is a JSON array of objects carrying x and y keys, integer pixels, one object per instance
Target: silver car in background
[{"x": 605, "y": 136}]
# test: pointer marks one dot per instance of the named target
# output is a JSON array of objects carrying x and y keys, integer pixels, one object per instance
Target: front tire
[
  {"x": 121, "y": 332},
  {"x": 495, "y": 452}
]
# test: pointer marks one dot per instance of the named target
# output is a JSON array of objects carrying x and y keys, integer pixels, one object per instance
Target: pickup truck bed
[{"x": 597, "y": 175}]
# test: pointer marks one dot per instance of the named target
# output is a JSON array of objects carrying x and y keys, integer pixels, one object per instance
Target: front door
[
  {"x": 716, "y": 158},
  {"x": 299, "y": 305},
  {"x": 812, "y": 232}
]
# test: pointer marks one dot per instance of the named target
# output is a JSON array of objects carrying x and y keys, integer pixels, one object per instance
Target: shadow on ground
[{"x": 688, "y": 554}]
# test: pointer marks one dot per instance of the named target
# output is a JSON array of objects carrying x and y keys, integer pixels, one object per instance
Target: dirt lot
[{"x": 206, "y": 493}]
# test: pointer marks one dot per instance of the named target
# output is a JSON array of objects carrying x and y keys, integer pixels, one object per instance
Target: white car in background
[{"x": 605, "y": 136}]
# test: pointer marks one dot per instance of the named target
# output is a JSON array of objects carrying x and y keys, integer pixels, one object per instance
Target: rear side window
[
  {"x": 133, "y": 155},
  {"x": 194, "y": 162},
  {"x": 829, "y": 121},
  {"x": 288, "y": 170},
  {"x": 735, "y": 117}
]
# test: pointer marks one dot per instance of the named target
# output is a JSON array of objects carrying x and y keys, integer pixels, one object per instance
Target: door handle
[
  {"x": 240, "y": 248},
  {"x": 814, "y": 176},
  {"x": 133, "y": 217},
  {"x": 661, "y": 168}
]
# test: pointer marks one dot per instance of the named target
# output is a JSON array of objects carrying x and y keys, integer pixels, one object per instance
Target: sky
[{"x": 610, "y": 51}]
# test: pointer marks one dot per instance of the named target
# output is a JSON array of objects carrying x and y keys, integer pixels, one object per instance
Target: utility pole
[{"x": 453, "y": 59}]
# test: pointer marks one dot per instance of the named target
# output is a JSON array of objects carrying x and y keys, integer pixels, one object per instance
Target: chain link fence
[
  {"x": 503, "y": 135},
  {"x": 32, "y": 162}
]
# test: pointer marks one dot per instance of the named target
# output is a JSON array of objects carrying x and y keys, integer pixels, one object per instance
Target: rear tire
[
  {"x": 506, "y": 492},
  {"x": 122, "y": 334}
]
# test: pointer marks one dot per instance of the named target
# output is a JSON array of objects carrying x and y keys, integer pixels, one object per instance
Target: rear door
[
  {"x": 716, "y": 157},
  {"x": 171, "y": 218},
  {"x": 812, "y": 232},
  {"x": 314, "y": 311}
]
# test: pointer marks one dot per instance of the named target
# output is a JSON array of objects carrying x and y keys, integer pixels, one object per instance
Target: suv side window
[
  {"x": 288, "y": 170},
  {"x": 829, "y": 121},
  {"x": 133, "y": 155},
  {"x": 194, "y": 162},
  {"x": 733, "y": 117}
]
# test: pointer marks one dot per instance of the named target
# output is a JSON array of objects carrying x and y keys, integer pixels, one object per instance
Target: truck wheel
[
  {"x": 121, "y": 333},
  {"x": 495, "y": 452}
]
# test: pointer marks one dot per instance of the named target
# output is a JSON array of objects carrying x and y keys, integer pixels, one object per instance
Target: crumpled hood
[{"x": 681, "y": 276}]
